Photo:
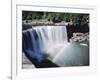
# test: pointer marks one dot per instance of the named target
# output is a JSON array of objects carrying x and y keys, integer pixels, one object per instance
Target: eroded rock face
[
  {"x": 80, "y": 37},
  {"x": 26, "y": 63}
]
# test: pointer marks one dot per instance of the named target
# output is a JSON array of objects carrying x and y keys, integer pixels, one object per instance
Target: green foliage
[{"x": 56, "y": 16}]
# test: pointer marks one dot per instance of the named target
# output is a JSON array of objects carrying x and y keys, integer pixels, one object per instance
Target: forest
[{"x": 55, "y": 17}]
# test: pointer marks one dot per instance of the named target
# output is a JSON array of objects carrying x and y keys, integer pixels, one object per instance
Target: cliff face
[{"x": 77, "y": 29}]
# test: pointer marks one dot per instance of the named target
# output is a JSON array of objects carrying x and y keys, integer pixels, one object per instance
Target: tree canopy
[{"x": 79, "y": 18}]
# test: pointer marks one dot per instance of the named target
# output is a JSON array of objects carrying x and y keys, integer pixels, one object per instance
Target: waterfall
[
  {"x": 41, "y": 40},
  {"x": 51, "y": 38}
]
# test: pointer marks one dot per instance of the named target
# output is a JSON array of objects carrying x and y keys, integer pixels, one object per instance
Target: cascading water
[
  {"x": 41, "y": 40},
  {"x": 51, "y": 38}
]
